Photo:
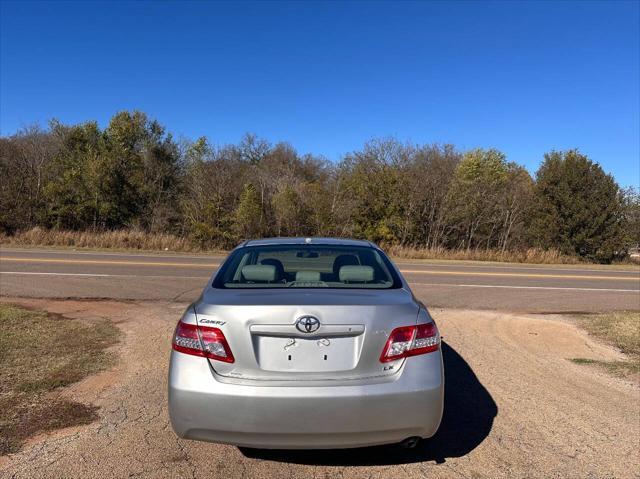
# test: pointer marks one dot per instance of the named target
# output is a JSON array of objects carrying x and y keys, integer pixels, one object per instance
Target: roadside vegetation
[
  {"x": 39, "y": 354},
  {"x": 120, "y": 239},
  {"x": 132, "y": 185},
  {"x": 621, "y": 330},
  {"x": 529, "y": 255},
  {"x": 139, "y": 240}
]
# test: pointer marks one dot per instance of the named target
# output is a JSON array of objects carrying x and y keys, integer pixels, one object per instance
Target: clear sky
[{"x": 521, "y": 77}]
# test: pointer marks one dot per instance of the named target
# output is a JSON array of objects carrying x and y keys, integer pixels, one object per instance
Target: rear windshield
[{"x": 307, "y": 266}]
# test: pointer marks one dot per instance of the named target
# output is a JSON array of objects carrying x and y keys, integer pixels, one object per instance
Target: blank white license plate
[{"x": 306, "y": 355}]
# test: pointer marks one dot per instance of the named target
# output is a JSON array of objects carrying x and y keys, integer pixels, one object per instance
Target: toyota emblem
[{"x": 307, "y": 324}]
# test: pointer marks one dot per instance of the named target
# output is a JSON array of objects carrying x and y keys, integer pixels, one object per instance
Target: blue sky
[{"x": 521, "y": 77}]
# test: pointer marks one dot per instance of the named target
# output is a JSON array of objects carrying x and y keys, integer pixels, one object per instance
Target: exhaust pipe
[{"x": 410, "y": 442}]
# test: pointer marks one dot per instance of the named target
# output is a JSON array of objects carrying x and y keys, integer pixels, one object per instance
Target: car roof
[{"x": 310, "y": 240}]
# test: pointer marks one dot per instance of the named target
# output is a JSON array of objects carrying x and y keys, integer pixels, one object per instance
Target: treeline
[{"x": 134, "y": 174}]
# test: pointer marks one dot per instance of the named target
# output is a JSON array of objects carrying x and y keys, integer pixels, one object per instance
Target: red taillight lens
[
  {"x": 411, "y": 341},
  {"x": 202, "y": 341},
  {"x": 398, "y": 344},
  {"x": 427, "y": 339}
]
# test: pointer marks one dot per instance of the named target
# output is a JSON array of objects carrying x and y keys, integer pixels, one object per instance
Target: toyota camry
[{"x": 306, "y": 343}]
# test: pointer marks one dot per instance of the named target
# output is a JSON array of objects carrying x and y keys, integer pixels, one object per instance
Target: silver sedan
[{"x": 306, "y": 343}]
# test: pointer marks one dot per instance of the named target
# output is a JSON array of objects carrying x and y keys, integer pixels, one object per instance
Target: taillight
[
  {"x": 202, "y": 341},
  {"x": 411, "y": 341}
]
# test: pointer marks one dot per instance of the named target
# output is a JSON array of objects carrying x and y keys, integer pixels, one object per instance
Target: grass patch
[
  {"x": 131, "y": 239},
  {"x": 617, "y": 368},
  {"x": 621, "y": 330},
  {"x": 118, "y": 239},
  {"x": 531, "y": 255},
  {"x": 40, "y": 353},
  {"x": 137, "y": 240}
]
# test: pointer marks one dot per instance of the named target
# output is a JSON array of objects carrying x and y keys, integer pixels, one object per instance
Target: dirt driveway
[{"x": 515, "y": 407}]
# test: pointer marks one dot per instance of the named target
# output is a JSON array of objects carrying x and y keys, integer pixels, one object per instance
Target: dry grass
[
  {"x": 531, "y": 255},
  {"x": 40, "y": 353},
  {"x": 120, "y": 239},
  {"x": 140, "y": 240},
  {"x": 621, "y": 330}
]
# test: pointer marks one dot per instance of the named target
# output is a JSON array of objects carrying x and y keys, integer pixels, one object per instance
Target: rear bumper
[{"x": 298, "y": 417}]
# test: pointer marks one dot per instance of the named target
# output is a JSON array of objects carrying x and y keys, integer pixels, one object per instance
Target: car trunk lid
[{"x": 270, "y": 337}]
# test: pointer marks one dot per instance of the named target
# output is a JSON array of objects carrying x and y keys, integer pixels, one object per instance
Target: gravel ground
[{"x": 515, "y": 407}]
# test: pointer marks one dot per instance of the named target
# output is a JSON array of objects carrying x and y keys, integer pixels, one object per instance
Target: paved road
[{"x": 521, "y": 288}]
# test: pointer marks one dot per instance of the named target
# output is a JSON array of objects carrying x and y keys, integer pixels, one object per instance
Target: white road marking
[
  {"x": 399, "y": 262},
  {"x": 541, "y": 268},
  {"x": 525, "y": 287},
  {"x": 159, "y": 254},
  {"x": 411, "y": 283},
  {"x": 98, "y": 275},
  {"x": 406, "y": 271}
]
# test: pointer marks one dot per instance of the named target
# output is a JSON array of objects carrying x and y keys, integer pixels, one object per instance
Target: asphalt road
[{"x": 508, "y": 287}]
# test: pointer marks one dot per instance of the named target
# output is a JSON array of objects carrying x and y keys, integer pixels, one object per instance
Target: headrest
[
  {"x": 344, "y": 260},
  {"x": 308, "y": 276},
  {"x": 259, "y": 272},
  {"x": 356, "y": 274}
]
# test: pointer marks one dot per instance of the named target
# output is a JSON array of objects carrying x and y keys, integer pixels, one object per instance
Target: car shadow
[{"x": 469, "y": 411}]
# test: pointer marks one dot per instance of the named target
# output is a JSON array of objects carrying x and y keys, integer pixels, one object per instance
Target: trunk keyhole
[
  {"x": 325, "y": 357},
  {"x": 289, "y": 357}
]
